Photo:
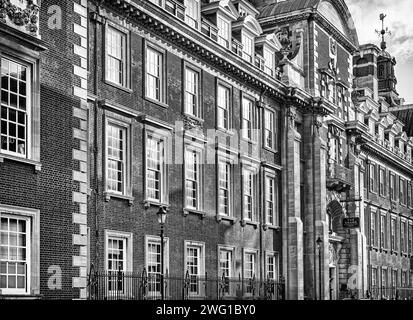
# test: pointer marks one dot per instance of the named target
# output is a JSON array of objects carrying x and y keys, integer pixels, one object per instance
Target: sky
[{"x": 399, "y": 20}]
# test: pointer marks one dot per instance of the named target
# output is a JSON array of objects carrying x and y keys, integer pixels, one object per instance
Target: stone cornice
[
  {"x": 157, "y": 21},
  {"x": 387, "y": 156}
]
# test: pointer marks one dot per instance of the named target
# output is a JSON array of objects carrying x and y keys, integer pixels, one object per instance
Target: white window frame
[
  {"x": 197, "y": 94},
  {"x": 32, "y": 112},
  {"x": 248, "y": 119},
  {"x": 201, "y": 267},
  {"x": 197, "y": 148},
  {"x": 33, "y": 251},
  {"x": 125, "y": 124},
  {"x": 164, "y": 136},
  {"x": 254, "y": 252},
  {"x": 125, "y": 34},
  {"x": 224, "y": 32},
  {"x": 228, "y": 106},
  {"x": 192, "y": 17},
  {"x": 249, "y": 172},
  {"x": 393, "y": 234},
  {"x": 247, "y": 41},
  {"x": 157, "y": 240},
  {"x": 270, "y": 174},
  {"x": 272, "y": 130},
  {"x": 269, "y": 58},
  {"x": 228, "y": 161},
  {"x": 161, "y": 54},
  {"x": 276, "y": 257}
]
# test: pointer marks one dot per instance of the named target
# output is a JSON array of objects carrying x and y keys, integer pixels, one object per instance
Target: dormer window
[
  {"x": 192, "y": 13},
  {"x": 248, "y": 47},
  {"x": 269, "y": 61},
  {"x": 223, "y": 32}
]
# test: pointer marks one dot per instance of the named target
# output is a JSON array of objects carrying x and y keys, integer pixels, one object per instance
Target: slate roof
[{"x": 405, "y": 114}]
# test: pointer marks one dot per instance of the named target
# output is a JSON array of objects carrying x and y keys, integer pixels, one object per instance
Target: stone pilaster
[{"x": 292, "y": 224}]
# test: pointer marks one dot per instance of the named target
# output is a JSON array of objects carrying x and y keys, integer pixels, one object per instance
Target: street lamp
[
  {"x": 319, "y": 242},
  {"x": 162, "y": 215}
]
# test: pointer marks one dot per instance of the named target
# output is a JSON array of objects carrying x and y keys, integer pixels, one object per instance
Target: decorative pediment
[
  {"x": 223, "y": 6},
  {"x": 384, "y": 122},
  {"x": 249, "y": 23},
  {"x": 271, "y": 40},
  {"x": 402, "y": 136},
  {"x": 20, "y": 14},
  {"x": 392, "y": 128},
  {"x": 373, "y": 114}
]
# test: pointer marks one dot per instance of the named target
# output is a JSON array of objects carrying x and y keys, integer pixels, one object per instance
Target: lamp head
[{"x": 162, "y": 215}]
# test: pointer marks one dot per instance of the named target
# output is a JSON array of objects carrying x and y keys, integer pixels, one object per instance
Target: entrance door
[{"x": 333, "y": 283}]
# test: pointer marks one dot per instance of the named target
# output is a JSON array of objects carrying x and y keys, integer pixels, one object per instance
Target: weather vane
[{"x": 383, "y": 32}]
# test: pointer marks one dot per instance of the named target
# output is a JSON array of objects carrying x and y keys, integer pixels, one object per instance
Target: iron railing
[
  {"x": 119, "y": 285},
  {"x": 389, "y": 293},
  {"x": 340, "y": 173}
]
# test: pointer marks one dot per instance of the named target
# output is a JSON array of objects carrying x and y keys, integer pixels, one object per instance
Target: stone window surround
[
  {"x": 34, "y": 216},
  {"x": 33, "y": 134}
]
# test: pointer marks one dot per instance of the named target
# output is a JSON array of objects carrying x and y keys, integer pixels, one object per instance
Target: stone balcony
[
  {"x": 339, "y": 178},
  {"x": 22, "y": 15}
]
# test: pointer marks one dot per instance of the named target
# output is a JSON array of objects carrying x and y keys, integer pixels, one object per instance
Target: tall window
[
  {"x": 116, "y": 157},
  {"x": 15, "y": 254},
  {"x": 155, "y": 174},
  {"x": 192, "y": 95},
  {"x": 403, "y": 244},
  {"x": 392, "y": 187},
  {"x": 269, "y": 61},
  {"x": 382, "y": 231},
  {"x": 411, "y": 238},
  {"x": 194, "y": 267},
  {"x": 116, "y": 56},
  {"x": 372, "y": 177},
  {"x": 154, "y": 74},
  {"x": 223, "y": 105},
  {"x": 225, "y": 263},
  {"x": 384, "y": 280},
  {"x": 394, "y": 279},
  {"x": 15, "y": 108},
  {"x": 382, "y": 182},
  {"x": 269, "y": 130},
  {"x": 248, "y": 47},
  {"x": 223, "y": 32},
  {"x": 153, "y": 262},
  {"x": 116, "y": 261},
  {"x": 393, "y": 234},
  {"x": 373, "y": 229},
  {"x": 248, "y": 118},
  {"x": 271, "y": 200},
  {"x": 192, "y": 178},
  {"x": 248, "y": 194},
  {"x": 224, "y": 188},
  {"x": 154, "y": 265},
  {"x": 409, "y": 194},
  {"x": 192, "y": 13},
  {"x": 374, "y": 277},
  {"x": 272, "y": 267},
  {"x": 249, "y": 270},
  {"x": 402, "y": 191}
]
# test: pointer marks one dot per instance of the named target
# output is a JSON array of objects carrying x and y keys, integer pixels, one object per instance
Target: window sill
[
  {"x": 249, "y": 222},
  {"x": 188, "y": 211},
  {"x": 149, "y": 203},
  {"x": 226, "y": 131},
  {"x": 37, "y": 165},
  {"x": 270, "y": 149},
  {"x": 192, "y": 117},
  {"x": 118, "y": 86},
  {"x": 374, "y": 248},
  {"x": 14, "y": 296},
  {"x": 270, "y": 226},
  {"x": 249, "y": 141},
  {"x": 158, "y": 103},
  {"x": 221, "y": 217},
  {"x": 109, "y": 195}
]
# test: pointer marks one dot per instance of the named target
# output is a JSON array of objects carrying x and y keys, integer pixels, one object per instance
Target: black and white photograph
[{"x": 206, "y": 157}]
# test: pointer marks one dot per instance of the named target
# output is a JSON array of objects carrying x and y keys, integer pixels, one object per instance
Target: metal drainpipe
[{"x": 314, "y": 209}]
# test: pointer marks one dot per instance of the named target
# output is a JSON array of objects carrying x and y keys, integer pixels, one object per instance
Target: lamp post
[
  {"x": 319, "y": 242},
  {"x": 162, "y": 214}
]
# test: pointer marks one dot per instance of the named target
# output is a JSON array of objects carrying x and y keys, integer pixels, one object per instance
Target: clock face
[{"x": 19, "y": 3}]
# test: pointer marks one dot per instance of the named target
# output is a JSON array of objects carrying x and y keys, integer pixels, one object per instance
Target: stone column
[{"x": 292, "y": 224}]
